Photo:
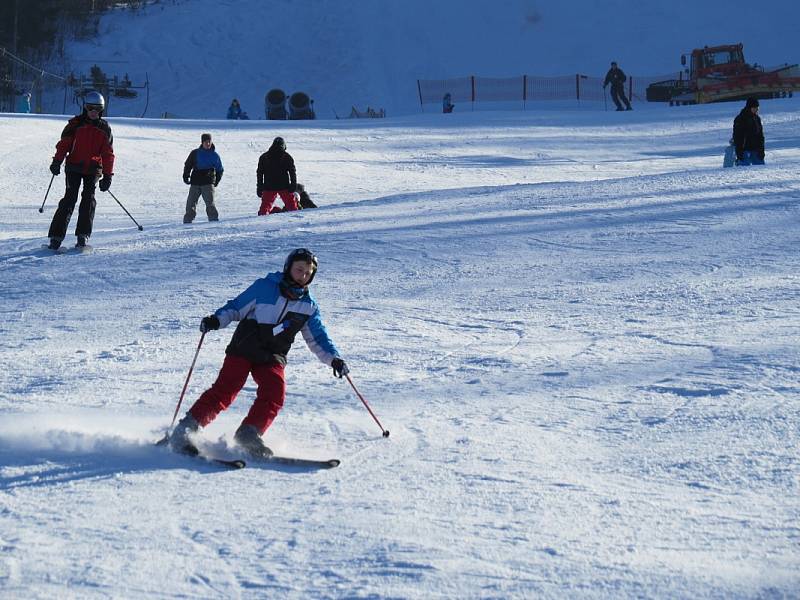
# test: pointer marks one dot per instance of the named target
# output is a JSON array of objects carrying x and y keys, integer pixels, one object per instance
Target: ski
[
  {"x": 230, "y": 464},
  {"x": 194, "y": 452},
  {"x": 291, "y": 461},
  {"x": 68, "y": 249},
  {"x": 301, "y": 462}
]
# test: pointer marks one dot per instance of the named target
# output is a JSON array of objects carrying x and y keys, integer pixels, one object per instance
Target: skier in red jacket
[{"x": 88, "y": 146}]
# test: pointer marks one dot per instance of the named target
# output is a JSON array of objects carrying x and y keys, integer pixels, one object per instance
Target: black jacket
[
  {"x": 276, "y": 171},
  {"x": 748, "y": 134},
  {"x": 616, "y": 77}
]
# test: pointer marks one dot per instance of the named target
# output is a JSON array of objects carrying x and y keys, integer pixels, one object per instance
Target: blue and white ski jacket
[
  {"x": 269, "y": 322},
  {"x": 203, "y": 167}
]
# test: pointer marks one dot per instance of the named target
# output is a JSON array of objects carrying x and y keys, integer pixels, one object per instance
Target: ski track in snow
[{"x": 584, "y": 346}]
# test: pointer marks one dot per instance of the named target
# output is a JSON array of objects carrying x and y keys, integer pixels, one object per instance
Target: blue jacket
[
  {"x": 269, "y": 322},
  {"x": 24, "y": 104},
  {"x": 203, "y": 167}
]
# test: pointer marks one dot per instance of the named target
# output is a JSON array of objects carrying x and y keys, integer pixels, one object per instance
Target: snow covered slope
[
  {"x": 199, "y": 55},
  {"x": 580, "y": 330}
]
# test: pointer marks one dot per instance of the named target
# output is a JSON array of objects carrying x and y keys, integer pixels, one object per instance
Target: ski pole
[
  {"x": 165, "y": 439},
  {"x": 126, "y": 210},
  {"x": 188, "y": 376},
  {"x": 384, "y": 431},
  {"x": 41, "y": 208}
]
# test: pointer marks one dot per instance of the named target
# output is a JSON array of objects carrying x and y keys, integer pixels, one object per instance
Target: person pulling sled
[
  {"x": 748, "y": 135},
  {"x": 271, "y": 312}
]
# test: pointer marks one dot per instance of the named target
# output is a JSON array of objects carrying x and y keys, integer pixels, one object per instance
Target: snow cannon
[
  {"x": 275, "y": 105},
  {"x": 301, "y": 106}
]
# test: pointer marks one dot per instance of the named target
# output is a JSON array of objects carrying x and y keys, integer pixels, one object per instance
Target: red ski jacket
[{"x": 88, "y": 146}]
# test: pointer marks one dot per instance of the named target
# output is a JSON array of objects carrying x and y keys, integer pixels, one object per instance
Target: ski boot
[
  {"x": 81, "y": 242},
  {"x": 54, "y": 244},
  {"x": 179, "y": 440},
  {"x": 247, "y": 437}
]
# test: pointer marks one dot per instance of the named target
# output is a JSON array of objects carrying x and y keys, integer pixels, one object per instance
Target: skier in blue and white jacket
[{"x": 271, "y": 312}]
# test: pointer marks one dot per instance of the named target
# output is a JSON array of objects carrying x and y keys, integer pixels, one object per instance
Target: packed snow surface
[{"x": 580, "y": 330}]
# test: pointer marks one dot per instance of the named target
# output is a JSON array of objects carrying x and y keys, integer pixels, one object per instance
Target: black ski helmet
[
  {"x": 279, "y": 143},
  {"x": 94, "y": 98},
  {"x": 303, "y": 254}
]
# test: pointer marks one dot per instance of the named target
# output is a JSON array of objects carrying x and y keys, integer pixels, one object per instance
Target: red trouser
[
  {"x": 268, "y": 197},
  {"x": 232, "y": 376}
]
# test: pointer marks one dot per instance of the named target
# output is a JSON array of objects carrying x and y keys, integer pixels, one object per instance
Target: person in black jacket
[
  {"x": 748, "y": 135},
  {"x": 203, "y": 172},
  {"x": 276, "y": 176},
  {"x": 616, "y": 77}
]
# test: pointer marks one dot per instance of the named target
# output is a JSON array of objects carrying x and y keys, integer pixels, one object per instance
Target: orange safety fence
[{"x": 527, "y": 88}]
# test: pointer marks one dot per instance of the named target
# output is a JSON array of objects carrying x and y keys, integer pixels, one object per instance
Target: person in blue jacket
[
  {"x": 447, "y": 103},
  {"x": 202, "y": 171},
  {"x": 271, "y": 312},
  {"x": 234, "y": 110},
  {"x": 24, "y": 103}
]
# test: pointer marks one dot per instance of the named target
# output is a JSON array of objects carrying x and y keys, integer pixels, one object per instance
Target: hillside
[{"x": 199, "y": 55}]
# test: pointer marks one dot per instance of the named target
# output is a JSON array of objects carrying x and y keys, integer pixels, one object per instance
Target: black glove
[
  {"x": 105, "y": 183},
  {"x": 219, "y": 178},
  {"x": 55, "y": 167},
  {"x": 292, "y": 188},
  {"x": 209, "y": 323},
  {"x": 186, "y": 180},
  {"x": 339, "y": 367},
  {"x": 259, "y": 189}
]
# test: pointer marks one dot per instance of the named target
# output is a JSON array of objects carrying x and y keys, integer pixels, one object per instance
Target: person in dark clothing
[
  {"x": 276, "y": 176},
  {"x": 88, "y": 146},
  {"x": 203, "y": 172},
  {"x": 616, "y": 77},
  {"x": 447, "y": 103},
  {"x": 271, "y": 312},
  {"x": 748, "y": 135},
  {"x": 305, "y": 200}
]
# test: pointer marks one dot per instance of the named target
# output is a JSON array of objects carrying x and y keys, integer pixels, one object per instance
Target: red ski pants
[
  {"x": 268, "y": 198},
  {"x": 232, "y": 376}
]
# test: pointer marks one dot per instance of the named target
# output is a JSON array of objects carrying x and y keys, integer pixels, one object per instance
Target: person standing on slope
[
  {"x": 748, "y": 135},
  {"x": 88, "y": 146},
  {"x": 616, "y": 77},
  {"x": 203, "y": 172},
  {"x": 271, "y": 312},
  {"x": 276, "y": 176}
]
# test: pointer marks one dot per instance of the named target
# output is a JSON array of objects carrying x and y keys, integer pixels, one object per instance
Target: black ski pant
[
  {"x": 617, "y": 94},
  {"x": 58, "y": 227}
]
